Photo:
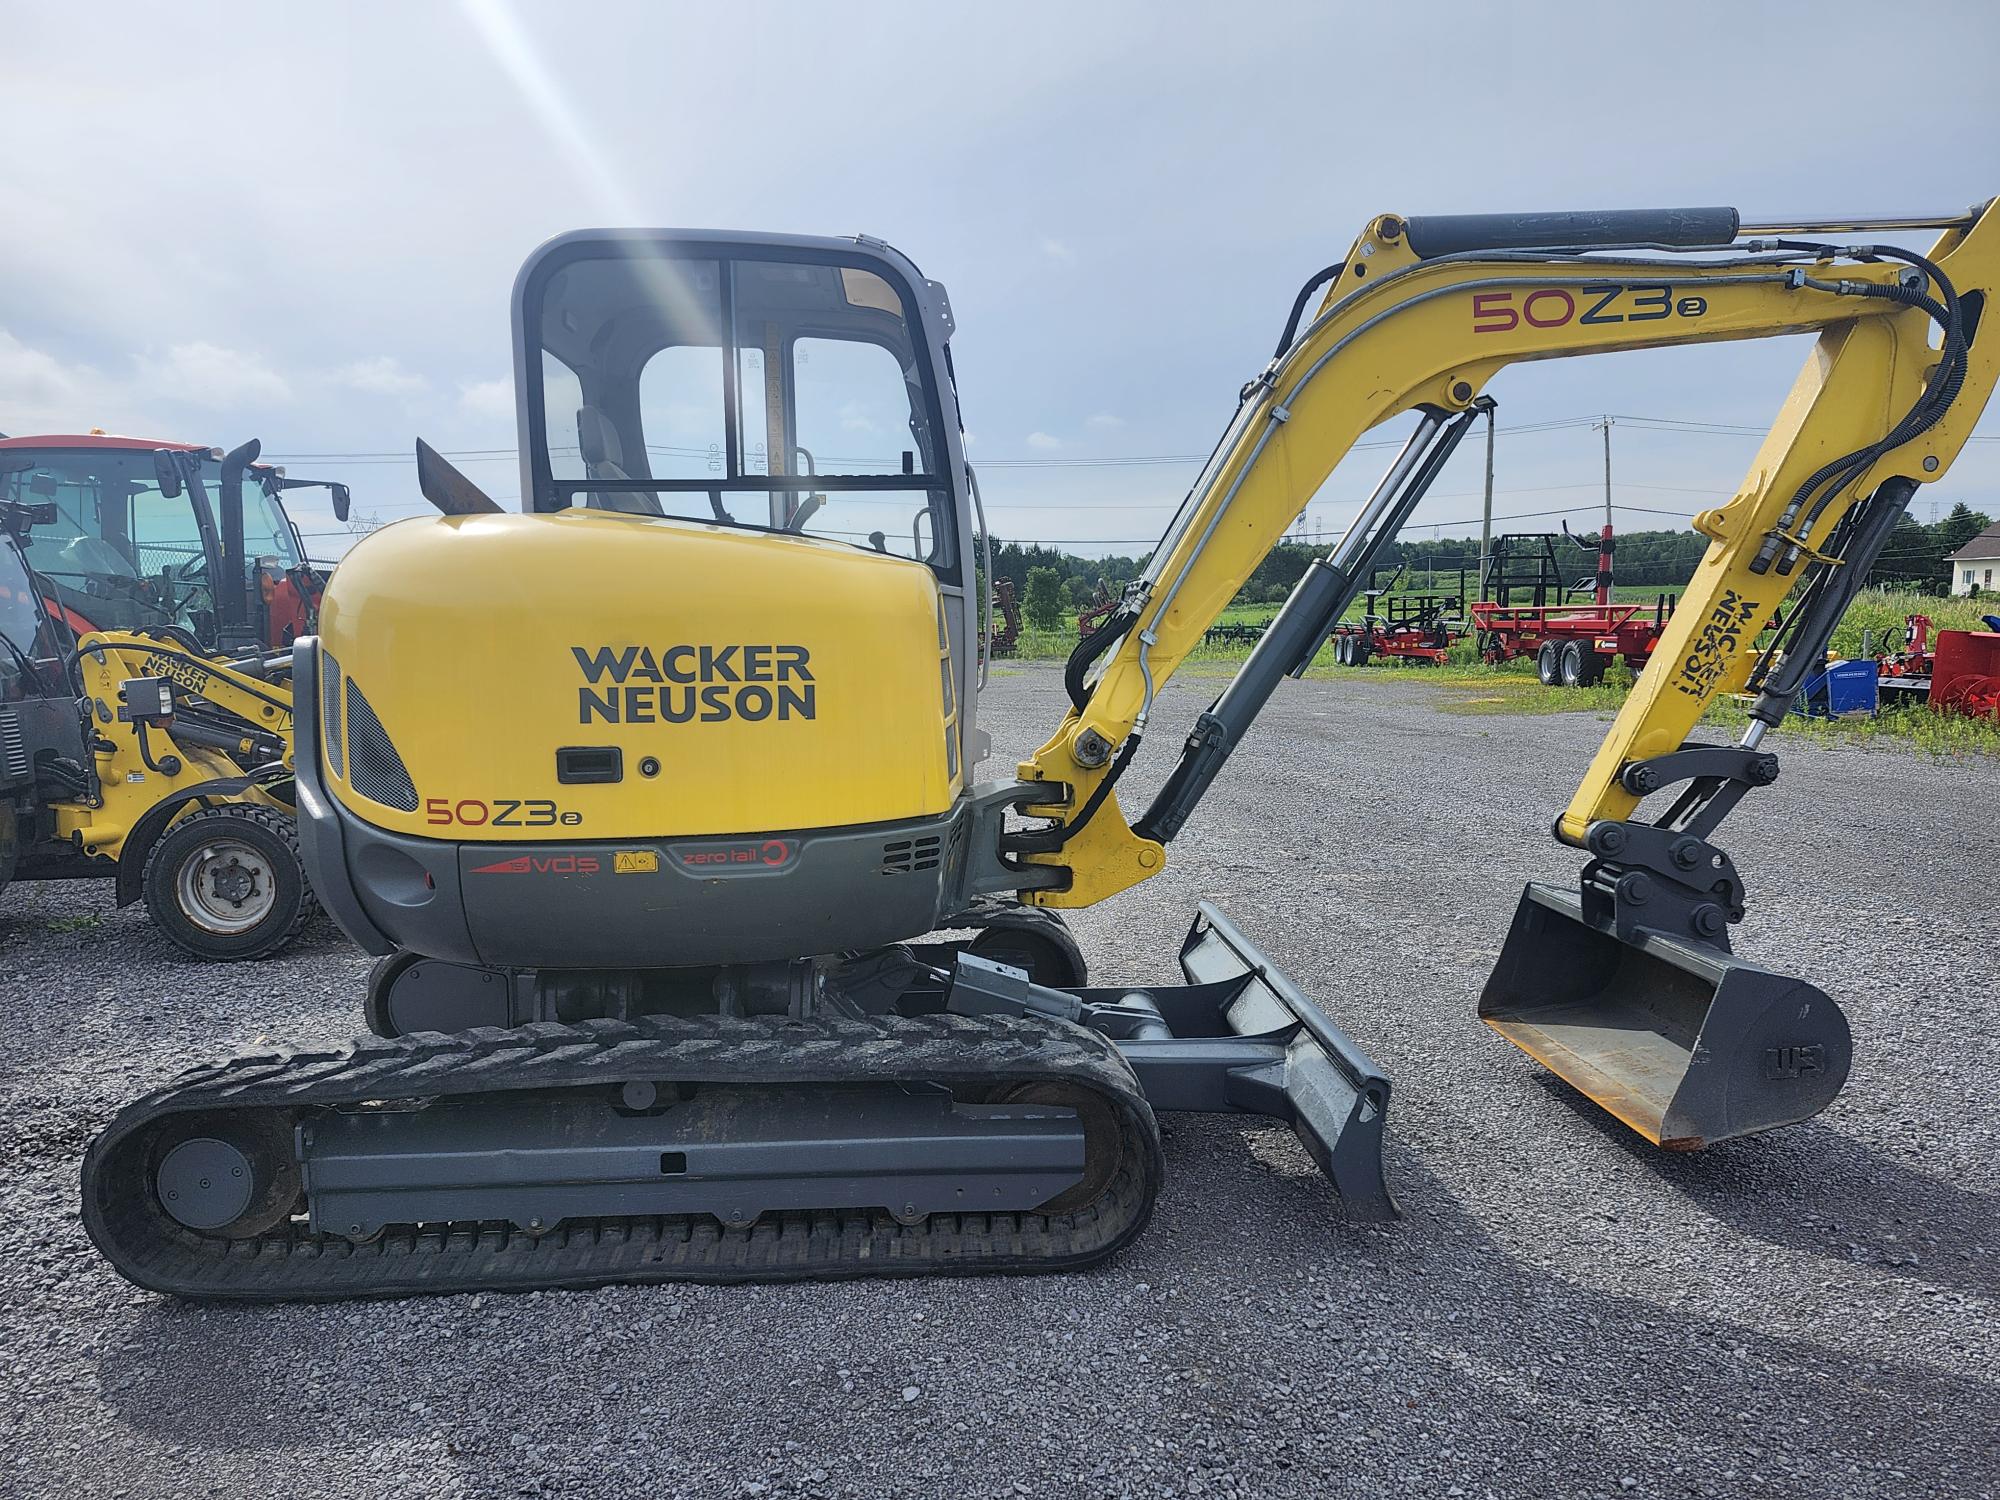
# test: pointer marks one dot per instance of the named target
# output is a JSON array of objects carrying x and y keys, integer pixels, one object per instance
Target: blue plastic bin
[{"x": 1845, "y": 687}]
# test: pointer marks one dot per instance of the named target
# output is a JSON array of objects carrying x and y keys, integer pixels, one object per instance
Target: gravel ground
[{"x": 1562, "y": 1312}]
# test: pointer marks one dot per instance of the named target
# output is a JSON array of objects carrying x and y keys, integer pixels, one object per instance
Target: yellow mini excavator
[{"x": 657, "y": 868}]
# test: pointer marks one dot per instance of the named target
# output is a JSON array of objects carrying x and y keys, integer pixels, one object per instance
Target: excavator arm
[
  {"x": 1625, "y": 987},
  {"x": 1419, "y": 317}
]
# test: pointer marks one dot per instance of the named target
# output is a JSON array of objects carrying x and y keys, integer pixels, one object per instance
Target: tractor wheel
[
  {"x": 1548, "y": 664},
  {"x": 1036, "y": 940},
  {"x": 226, "y": 882},
  {"x": 1580, "y": 666}
]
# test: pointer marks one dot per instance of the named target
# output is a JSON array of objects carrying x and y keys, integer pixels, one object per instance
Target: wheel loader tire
[
  {"x": 1034, "y": 939},
  {"x": 1548, "y": 664},
  {"x": 226, "y": 882}
]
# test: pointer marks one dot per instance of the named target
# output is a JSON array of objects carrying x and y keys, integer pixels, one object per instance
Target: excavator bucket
[{"x": 1683, "y": 1042}]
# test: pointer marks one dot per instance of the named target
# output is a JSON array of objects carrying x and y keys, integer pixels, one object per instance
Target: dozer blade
[
  {"x": 1683, "y": 1042},
  {"x": 1245, "y": 1038}
]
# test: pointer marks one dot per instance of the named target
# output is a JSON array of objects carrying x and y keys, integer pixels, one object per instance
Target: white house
[{"x": 1975, "y": 567}]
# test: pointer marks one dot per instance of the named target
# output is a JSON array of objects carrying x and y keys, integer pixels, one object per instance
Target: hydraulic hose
[
  {"x": 1109, "y": 632},
  {"x": 1299, "y": 305},
  {"x": 1939, "y": 392}
]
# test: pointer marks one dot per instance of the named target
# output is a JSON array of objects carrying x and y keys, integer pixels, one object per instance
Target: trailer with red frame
[
  {"x": 1572, "y": 639},
  {"x": 1416, "y": 627}
]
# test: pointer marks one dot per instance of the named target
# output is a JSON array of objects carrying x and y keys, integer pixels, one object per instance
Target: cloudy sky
[{"x": 302, "y": 223}]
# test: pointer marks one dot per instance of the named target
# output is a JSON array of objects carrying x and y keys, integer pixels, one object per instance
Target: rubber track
[{"x": 124, "y": 1219}]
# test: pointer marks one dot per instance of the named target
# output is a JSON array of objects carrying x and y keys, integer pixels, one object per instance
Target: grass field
[{"x": 1472, "y": 687}]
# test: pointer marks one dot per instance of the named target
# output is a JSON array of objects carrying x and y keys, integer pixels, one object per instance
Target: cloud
[
  {"x": 1104, "y": 421},
  {"x": 493, "y": 399},
  {"x": 32, "y": 380},
  {"x": 40, "y": 392},
  {"x": 383, "y": 375},
  {"x": 208, "y": 375},
  {"x": 1055, "y": 249},
  {"x": 1043, "y": 440}
]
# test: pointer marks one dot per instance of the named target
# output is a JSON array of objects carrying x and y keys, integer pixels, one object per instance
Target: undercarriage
[{"x": 920, "y": 1109}]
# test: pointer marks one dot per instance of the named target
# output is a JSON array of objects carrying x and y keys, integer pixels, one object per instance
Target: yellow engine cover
[{"x": 780, "y": 682}]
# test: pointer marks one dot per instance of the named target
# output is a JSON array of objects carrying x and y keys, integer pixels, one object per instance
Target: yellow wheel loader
[
  {"x": 149, "y": 594},
  {"x": 657, "y": 870}
]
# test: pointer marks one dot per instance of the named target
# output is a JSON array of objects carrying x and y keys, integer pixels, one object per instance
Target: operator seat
[{"x": 603, "y": 458}]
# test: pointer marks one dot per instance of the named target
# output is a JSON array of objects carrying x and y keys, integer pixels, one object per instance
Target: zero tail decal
[{"x": 694, "y": 684}]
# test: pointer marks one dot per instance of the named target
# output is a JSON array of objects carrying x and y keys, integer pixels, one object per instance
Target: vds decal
[{"x": 538, "y": 864}]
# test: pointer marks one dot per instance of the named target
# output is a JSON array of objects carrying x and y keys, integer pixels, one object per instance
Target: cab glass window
[
  {"x": 792, "y": 396},
  {"x": 120, "y": 553}
]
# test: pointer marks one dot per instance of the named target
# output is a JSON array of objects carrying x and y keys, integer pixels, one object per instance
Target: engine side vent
[
  {"x": 905, "y": 856},
  {"x": 14, "y": 764},
  {"x": 329, "y": 711},
  {"x": 375, "y": 770}
]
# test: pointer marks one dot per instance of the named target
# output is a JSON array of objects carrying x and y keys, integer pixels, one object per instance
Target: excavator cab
[{"x": 788, "y": 387}]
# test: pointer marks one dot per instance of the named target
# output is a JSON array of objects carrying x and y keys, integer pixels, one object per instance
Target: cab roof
[
  {"x": 98, "y": 440},
  {"x": 105, "y": 440}
]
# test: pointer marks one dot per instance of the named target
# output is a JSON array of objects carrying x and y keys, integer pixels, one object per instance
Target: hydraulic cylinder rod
[{"x": 1290, "y": 642}]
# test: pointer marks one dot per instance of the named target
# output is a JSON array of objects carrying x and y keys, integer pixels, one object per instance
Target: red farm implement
[
  {"x": 1412, "y": 627},
  {"x": 1571, "y": 627},
  {"x": 1965, "y": 673}
]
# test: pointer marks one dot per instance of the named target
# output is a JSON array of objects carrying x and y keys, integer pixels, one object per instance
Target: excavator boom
[{"x": 1651, "y": 1016}]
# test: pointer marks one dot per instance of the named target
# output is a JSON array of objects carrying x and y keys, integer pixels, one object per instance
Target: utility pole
[
  {"x": 1606, "y": 425},
  {"x": 1486, "y": 522}
]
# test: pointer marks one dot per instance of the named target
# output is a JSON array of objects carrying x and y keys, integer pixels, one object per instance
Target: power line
[{"x": 1135, "y": 460}]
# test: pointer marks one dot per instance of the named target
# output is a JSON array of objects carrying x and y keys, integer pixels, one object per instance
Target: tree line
[{"x": 1054, "y": 585}]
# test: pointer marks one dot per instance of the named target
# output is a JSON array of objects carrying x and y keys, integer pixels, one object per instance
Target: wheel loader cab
[
  {"x": 135, "y": 535},
  {"x": 751, "y": 651}
]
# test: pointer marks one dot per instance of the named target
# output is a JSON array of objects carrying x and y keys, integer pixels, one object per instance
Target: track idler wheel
[
  {"x": 1102, "y": 1147},
  {"x": 236, "y": 1178}
]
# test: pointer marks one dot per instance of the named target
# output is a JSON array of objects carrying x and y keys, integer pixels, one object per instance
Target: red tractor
[{"x": 150, "y": 535}]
